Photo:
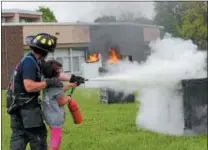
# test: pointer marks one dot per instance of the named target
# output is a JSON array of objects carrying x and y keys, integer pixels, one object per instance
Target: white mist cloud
[{"x": 158, "y": 81}]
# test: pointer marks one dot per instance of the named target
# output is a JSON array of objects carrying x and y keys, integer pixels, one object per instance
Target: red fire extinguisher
[{"x": 74, "y": 109}]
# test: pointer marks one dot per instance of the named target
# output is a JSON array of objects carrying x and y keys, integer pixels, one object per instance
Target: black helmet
[{"x": 42, "y": 42}]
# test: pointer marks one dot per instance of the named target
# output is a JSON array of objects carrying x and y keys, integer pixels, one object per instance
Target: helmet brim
[{"x": 29, "y": 39}]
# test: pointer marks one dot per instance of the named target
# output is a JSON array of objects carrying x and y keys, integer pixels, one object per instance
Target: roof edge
[
  {"x": 21, "y": 11},
  {"x": 76, "y": 24}
]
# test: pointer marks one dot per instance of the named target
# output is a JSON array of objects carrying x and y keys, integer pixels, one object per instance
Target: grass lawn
[{"x": 109, "y": 127}]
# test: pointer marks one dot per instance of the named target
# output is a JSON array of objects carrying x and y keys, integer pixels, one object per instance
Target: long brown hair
[{"x": 51, "y": 68}]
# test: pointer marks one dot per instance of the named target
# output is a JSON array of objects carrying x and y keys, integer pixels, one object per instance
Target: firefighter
[{"x": 23, "y": 103}]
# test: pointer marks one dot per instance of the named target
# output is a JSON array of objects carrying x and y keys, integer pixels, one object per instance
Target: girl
[{"x": 53, "y": 103}]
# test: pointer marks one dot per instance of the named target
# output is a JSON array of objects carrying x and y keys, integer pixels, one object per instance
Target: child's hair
[{"x": 50, "y": 69}]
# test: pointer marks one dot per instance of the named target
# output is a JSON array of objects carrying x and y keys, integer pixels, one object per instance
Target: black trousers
[{"x": 36, "y": 137}]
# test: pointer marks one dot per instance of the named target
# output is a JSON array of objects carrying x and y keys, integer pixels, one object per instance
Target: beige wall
[{"x": 67, "y": 33}]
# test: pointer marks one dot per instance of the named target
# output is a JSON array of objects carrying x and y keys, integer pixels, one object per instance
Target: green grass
[{"x": 109, "y": 127}]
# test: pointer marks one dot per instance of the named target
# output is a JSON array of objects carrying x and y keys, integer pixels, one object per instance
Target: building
[
  {"x": 71, "y": 49},
  {"x": 17, "y": 15},
  {"x": 73, "y": 46}
]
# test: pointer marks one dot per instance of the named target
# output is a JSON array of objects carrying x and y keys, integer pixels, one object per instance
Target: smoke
[
  {"x": 158, "y": 81},
  {"x": 118, "y": 9}
]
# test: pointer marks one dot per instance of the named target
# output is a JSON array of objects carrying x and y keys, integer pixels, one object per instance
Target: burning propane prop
[
  {"x": 112, "y": 59},
  {"x": 94, "y": 57},
  {"x": 113, "y": 56}
]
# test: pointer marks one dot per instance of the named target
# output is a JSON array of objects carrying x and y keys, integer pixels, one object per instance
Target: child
[{"x": 53, "y": 103}]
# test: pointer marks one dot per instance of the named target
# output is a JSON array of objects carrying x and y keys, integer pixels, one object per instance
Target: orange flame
[
  {"x": 113, "y": 56},
  {"x": 94, "y": 57}
]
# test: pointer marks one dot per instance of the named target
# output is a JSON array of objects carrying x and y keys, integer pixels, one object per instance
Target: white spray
[{"x": 158, "y": 82}]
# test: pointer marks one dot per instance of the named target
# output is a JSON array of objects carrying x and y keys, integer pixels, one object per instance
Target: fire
[
  {"x": 113, "y": 56},
  {"x": 94, "y": 57}
]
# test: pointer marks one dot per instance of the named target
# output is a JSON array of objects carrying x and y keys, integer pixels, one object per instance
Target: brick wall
[{"x": 12, "y": 51}]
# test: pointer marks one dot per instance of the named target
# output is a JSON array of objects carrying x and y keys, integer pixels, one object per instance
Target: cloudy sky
[{"x": 85, "y": 11}]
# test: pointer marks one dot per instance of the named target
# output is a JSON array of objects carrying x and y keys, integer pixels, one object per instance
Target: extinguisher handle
[{"x": 71, "y": 92}]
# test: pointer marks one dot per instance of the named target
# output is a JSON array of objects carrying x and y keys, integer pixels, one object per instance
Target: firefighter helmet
[{"x": 43, "y": 42}]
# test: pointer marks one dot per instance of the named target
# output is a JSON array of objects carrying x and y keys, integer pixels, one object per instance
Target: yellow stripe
[
  {"x": 43, "y": 41},
  {"x": 49, "y": 42},
  {"x": 38, "y": 37}
]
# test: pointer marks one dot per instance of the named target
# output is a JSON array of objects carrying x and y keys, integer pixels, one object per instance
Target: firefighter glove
[{"x": 50, "y": 81}]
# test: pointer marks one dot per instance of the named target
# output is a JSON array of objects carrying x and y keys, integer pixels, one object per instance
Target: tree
[
  {"x": 194, "y": 24},
  {"x": 184, "y": 19},
  {"x": 166, "y": 16},
  {"x": 47, "y": 14}
]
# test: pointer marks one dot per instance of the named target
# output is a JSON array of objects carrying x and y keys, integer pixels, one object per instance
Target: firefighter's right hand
[{"x": 50, "y": 81}]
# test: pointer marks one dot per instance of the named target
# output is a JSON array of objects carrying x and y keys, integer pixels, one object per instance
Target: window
[
  {"x": 81, "y": 60},
  {"x": 67, "y": 64},
  {"x": 69, "y": 60},
  {"x": 78, "y": 53},
  {"x": 75, "y": 61},
  {"x": 78, "y": 58},
  {"x": 49, "y": 58},
  {"x": 50, "y": 54},
  {"x": 60, "y": 60}
]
